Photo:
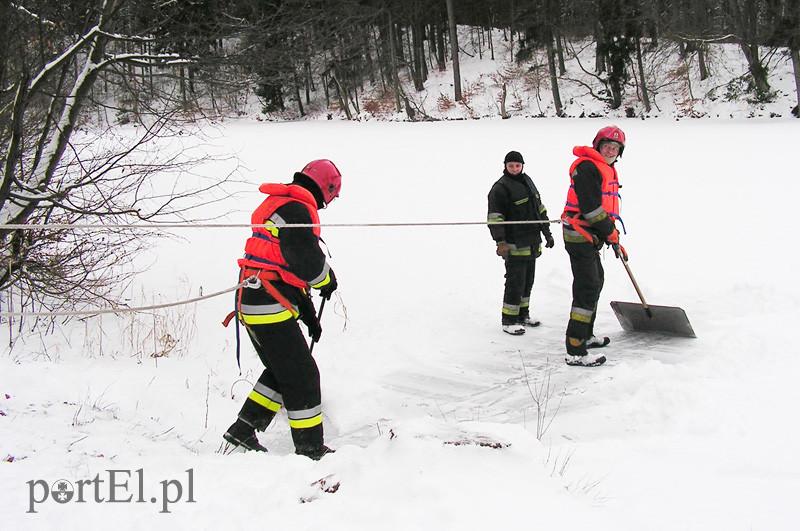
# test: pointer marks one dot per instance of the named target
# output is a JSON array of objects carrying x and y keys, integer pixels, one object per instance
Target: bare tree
[
  {"x": 786, "y": 32},
  {"x": 744, "y": 17},
  {"x": 56, "y": 174},
  {"x": 451, "y": 16},
  {"x": 551, "y": 13}
]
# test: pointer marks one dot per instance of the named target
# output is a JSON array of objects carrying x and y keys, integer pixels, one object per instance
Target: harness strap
[
  {"x": 263, "y": 278},
  {"x": 578, "y": 224}
]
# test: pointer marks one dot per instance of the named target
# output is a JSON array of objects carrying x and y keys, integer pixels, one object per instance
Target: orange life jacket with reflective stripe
[
  {"x": 609, "y": 188},
  {"x": 262, "y": 250}
]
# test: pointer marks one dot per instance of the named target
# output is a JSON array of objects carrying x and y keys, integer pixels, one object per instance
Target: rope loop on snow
[{"x": 101, "y": 311}]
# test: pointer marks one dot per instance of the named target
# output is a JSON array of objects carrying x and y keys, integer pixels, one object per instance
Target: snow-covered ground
[{"x": 421, "y": 384}]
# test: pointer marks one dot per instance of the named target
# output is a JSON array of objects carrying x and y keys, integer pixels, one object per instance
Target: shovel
[{"x": 634, "y": 317}]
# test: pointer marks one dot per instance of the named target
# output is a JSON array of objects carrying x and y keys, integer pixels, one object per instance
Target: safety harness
[{"x": 253, "y": 279}]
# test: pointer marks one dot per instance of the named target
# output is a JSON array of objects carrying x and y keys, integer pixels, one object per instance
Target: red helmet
[
  {"x": 326, "y": 175},
  {"x": 611, "y": 132}
]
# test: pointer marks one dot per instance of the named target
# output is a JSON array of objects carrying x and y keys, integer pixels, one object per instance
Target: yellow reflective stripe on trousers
[
  {"x": 263, "y": 401},
  {"x": 581, "y": 315},
  {"x": 305, "y": 418},
  {"x": 306, "y": 423},
  {"x": 279, "y": 317},
  {"x": 510, "y": 309}
]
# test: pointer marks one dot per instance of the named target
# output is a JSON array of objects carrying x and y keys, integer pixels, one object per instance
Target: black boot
[
  {"x": 315, "y": 453},
  {"x": 241, "y": 435}
]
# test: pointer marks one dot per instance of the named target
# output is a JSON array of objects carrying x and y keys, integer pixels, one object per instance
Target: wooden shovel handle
[{"x": 638, "y": 291}]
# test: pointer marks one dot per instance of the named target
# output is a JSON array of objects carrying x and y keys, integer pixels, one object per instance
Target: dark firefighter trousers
[
  {"x": 290, "y": 378},
  {"x": 587, "y": 283},
  {"x": 520, "y": 274}
]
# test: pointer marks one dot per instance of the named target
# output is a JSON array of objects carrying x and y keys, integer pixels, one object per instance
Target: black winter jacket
[{"x": 515, "y": 198}]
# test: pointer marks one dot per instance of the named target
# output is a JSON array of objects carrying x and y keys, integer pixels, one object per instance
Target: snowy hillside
[
  {"x": 432, "y": 409},
  {"x": 674, "y": 85}
]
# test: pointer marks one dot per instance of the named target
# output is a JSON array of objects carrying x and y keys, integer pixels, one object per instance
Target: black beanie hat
[{"x": 514, "y": 156}]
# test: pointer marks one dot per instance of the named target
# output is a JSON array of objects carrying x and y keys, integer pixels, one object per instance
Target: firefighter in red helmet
[
  {"x": 287, "y": 262},
  {"x": 589, "y": 222}
]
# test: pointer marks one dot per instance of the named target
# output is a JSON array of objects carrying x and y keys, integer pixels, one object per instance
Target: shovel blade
[{"x": 664, "y": 319}]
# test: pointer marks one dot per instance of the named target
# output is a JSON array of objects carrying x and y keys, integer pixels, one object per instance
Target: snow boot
[
  {"x": 515, "y": 329},
  {"x": 585, "y": 360},
  {"x": 315, "y": 453},
  {"x": 597, "y": 342},
  {"x": 530, "y": 321},
  {"x": 243, "y": 437}
]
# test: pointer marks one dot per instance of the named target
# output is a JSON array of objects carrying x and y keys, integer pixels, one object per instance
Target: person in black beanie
[{"x": 514, "y": 197}]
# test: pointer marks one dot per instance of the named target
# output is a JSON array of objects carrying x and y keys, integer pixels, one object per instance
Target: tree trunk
[
  {"x": 796, "y": 63},
  {"x": 503, "y": 112},
  {"x": 701, "y": 59},
  {"x": 451, "y": 17},
  {"x": 342, "y": 99},
  {"x": 512, "y": 15},
  {"x": 642, "y": 80},
  {"x": 297, "y": 95},
  {"x": 380, "y": 45},
  {"x": 757, "y": 70},
  {"x": 440, "y": 49},
  {"x": 551, "y": 64},
  {"x": 325, "y": 89},
  {"x": 562, "y": 68},
  {"x": 417, "y": 59},
  {"x": 393, "y": 66},
  {"x": 745, "y": 20},
  {"x": 600, "y": 53},
  {"x": 183, "y": 87},
  {"x": 368, "y": 57}
]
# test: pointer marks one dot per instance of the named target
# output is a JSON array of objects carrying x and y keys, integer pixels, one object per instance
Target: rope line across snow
[{"x": 158, "y": 226}]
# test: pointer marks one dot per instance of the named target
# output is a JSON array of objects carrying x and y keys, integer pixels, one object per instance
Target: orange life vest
[
  {"x": 609, "y": 188},
  {"x": 262, "y": 250}
]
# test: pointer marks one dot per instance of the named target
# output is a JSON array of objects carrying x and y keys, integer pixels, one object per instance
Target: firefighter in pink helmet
[
  {"x": 288, "y": 263},
  {"x": 590, "y": 220}
]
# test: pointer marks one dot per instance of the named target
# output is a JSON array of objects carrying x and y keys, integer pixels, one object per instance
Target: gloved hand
[
  {"x": 613, "y": 238},
  {"x": 620, "y": 252},
  {"x": 327, "y": 290},
  {"x": 550, "y": 242},
  {"x": 308, "y": 314},
  {"x": 503, "y": 249}
]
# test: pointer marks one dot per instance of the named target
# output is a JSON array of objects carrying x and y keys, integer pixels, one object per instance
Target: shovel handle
[
  {"x": 319, "y": 317},
  {"x": 636, "y": 287}
]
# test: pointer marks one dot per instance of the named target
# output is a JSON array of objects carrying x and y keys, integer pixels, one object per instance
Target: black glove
[
  {"x": 308, "y": 314},
  {"x": 548, "y": 237},
  {"x": 327, "y": 290}
]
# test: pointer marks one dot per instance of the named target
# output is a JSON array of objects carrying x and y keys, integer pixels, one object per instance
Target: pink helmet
[
  {"x": 326, "y": 175},
  {"x": 611, "y": 132}
]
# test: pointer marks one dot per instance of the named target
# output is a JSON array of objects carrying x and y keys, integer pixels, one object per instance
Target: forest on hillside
[{"x": 214, "y": 51}]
